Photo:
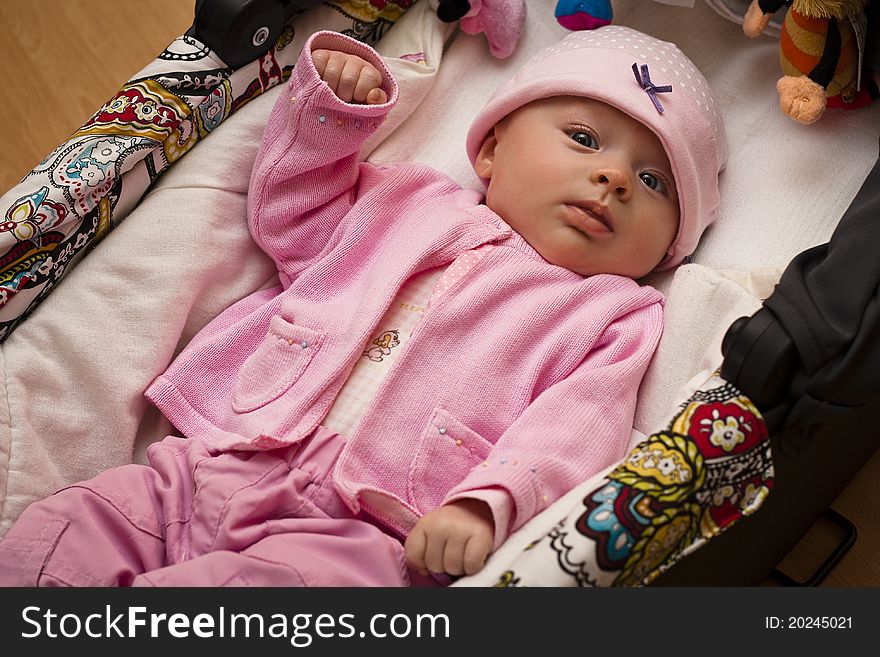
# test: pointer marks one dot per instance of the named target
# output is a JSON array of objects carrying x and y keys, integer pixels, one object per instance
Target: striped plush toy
[{"x": 818, "y": 53}]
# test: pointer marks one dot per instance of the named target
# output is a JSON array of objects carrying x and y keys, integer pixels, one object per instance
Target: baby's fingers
[
  {"x": 475, "y": 553},
  {"x": 320, "y": 59},
  {"x": 453, "y": 556},
  {"x": 414, "y": 550},
  {"x": 349, "y": 77},
  {"x": 377, "y": 97},
  {"x": 434, "y": 552},
  {"x": 368, "y": 88},
  {"x": 331, "y": 66}
]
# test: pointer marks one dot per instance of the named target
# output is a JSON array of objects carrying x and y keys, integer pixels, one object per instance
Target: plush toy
[
  {"x": 500, "y": 20},
  {"x": 818, "y": 53},
  {"x": 583, "y": 14}
]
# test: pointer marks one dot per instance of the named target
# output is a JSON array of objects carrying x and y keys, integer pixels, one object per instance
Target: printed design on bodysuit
[{"x": 382, "y": 346}]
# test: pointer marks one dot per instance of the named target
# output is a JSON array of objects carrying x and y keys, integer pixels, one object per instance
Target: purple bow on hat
[{"x": 645, "y": 80}]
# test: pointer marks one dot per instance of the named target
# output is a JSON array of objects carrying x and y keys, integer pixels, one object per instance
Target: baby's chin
[
  {"x": 592, "y": 268},
  {"x": 567, "y": 257}
]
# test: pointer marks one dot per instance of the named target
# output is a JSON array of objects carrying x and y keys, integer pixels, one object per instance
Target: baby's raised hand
[
  {"x": 455, "y": 538},
  {"x": 350, "y": 77}
]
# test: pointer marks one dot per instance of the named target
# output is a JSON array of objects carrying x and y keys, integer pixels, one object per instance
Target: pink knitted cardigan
[{"x": 522, "y": 378}]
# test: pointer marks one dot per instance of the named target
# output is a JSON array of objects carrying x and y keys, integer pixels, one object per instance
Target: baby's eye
[
  {"x": 585, "y": 139},
  {"x": 653, "y": 181}
]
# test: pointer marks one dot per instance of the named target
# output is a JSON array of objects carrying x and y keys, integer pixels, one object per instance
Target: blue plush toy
[{"x": 583, "y": 14}]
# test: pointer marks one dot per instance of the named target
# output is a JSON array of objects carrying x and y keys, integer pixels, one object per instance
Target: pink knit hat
[{"x": 599, "y": 64}]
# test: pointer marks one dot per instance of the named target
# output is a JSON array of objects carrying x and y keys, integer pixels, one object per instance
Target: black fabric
[
  {"x": 823, "y": 73},
  {"x": 771, "y": 6},
  {"x": 828, "y": 302},
  {"x": 450, "y": 11}
]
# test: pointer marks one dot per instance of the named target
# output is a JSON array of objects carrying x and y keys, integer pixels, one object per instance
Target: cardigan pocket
[
  {"x": 448, "y": 451},
  {"x": 277, "y": 363}
]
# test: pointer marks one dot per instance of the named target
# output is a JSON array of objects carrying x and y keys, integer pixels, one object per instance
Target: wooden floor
[{"x": 59, "y": 61}]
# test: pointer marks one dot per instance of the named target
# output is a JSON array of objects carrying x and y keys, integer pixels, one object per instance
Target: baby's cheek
[{"x": 662, "y": 228}]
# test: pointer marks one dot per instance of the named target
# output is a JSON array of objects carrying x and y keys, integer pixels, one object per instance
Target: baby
[{"x": 436, "y": 366}]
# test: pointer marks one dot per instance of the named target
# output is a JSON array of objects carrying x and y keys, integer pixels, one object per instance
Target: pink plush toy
[{"x": 500, "y": 20}]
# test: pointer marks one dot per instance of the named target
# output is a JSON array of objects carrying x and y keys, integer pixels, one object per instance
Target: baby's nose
[{"x": 615, "y": 178}]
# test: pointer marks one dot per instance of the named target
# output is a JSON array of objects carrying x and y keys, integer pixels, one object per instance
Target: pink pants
[{"x": 201, "y": 519}]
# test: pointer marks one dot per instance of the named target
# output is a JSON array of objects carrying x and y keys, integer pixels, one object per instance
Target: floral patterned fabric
[
  {"x": 89, "y": 184},
  {"x": 675, "y": 491}
]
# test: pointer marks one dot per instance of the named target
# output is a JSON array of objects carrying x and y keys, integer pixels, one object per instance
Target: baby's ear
[{"x": 486, "y": 156}]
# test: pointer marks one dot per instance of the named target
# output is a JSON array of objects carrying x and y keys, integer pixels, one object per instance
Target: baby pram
[{"x": 88, "y": 357}]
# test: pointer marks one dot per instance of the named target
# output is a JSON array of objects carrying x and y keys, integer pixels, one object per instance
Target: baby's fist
[
  {"x": 455, "y": 538},
  {"x": 350, "y": 77}
]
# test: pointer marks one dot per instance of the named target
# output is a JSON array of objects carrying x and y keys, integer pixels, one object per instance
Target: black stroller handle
[
  {"x": 239, "y": 31},
  {"x": 761, "y": 360}
]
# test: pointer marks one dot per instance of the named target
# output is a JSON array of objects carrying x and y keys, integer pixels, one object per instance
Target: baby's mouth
[{"x": 593, "y": 217}]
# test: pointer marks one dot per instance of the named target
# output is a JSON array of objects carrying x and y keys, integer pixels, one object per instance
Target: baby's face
[{"x": 586, "y": 185}]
